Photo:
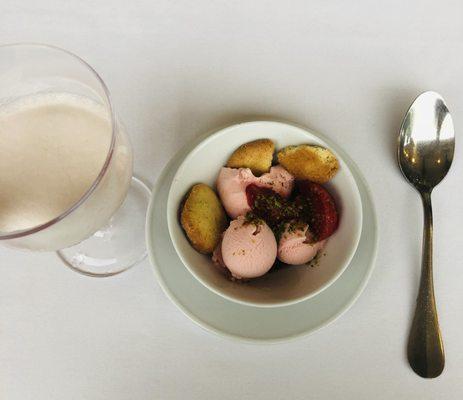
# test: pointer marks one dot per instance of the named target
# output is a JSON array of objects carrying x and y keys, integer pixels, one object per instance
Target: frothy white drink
[{"x": 52, "y": 148}]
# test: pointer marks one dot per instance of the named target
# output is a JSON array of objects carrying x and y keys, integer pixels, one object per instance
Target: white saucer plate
[{"x": 244, "y": 322}]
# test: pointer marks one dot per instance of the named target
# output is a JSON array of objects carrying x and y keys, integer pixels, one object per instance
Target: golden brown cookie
[
  {"x": 315, "y": 163},
  {"x": 203, "y": 218},
  {"x": 256, "y": 155}
]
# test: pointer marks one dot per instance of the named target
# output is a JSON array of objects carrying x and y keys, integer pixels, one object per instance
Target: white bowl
[{"x": 288, "y": 285}]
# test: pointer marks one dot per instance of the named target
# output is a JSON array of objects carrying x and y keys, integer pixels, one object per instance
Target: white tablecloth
[{"x": 179, "y": 68}]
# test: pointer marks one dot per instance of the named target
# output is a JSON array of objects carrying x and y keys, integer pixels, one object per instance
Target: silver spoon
[{"x": 426, "y": 146}]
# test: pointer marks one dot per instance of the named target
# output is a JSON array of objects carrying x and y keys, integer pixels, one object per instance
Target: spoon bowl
[{"x": 426, "y": 142}]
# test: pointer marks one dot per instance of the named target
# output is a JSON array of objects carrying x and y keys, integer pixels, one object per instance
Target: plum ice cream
[
  {"x": 296, "y": 245},
  {"x": 277, "y": 179},
  {"x": 217, "y": 258},
  {"x": 232, "y": 184},
  {"x": 249, "y": 248}
]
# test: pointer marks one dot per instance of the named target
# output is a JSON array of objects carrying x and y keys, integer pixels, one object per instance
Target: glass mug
[{"x": 66, "y": 164}]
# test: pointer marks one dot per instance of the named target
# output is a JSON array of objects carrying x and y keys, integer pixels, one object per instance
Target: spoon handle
[{"x": 425, "y": 348}]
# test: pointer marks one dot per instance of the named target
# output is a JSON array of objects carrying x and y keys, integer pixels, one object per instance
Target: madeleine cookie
[
  {"x": 314, "y": 163},
  {"x": 256, "y": 155},
  {"x": 203, "y": 218}
]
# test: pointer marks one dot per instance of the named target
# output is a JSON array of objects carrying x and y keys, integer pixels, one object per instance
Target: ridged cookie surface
[
  {"x": 256, "y": 155},
  {"x": 315, "y": 163},
  {"x": 203, "y": 218}
]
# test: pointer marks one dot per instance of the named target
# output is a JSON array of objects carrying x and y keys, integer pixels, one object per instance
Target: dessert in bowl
[{"x": 266, "y": 218}]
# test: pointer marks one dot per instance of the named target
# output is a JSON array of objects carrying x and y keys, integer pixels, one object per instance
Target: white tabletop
[{"x": 179, "y": 68}]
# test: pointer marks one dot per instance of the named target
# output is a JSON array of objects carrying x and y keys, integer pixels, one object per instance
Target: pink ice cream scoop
[
  {"x": 232, "y": 183},
  {"x": 277, "y": 179},
  {"x": 217, "y": 258},
  {"x": 248, "y": 249},
  {"x": 296, "y": 245}
]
